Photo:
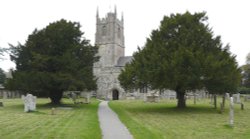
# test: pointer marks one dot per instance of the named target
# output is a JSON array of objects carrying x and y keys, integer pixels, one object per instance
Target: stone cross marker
[
  {"x": 29, "y": 102},
  {"x": 231, "y": 112}
]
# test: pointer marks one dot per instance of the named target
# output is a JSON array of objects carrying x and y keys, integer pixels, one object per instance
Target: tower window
[
  {"x": 104, "y": 30},
  {"x": 119, "y": 32}
]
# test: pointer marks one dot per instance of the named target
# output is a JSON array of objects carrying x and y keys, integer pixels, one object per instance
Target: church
[{"x": 109, "y": 38}]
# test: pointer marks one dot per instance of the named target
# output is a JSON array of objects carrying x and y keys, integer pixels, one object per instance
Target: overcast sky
[{"x": 229, "y": 18}]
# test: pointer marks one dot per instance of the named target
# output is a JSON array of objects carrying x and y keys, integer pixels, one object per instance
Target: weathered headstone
[
  {"x": 211, "y": 99},
  {"x": 231, "y": 112},
  {"x": 53, "y": 111},
  {"x": 144, "y": 97},
  {"x": 153, "y": 98},
  {"x": 227, "y": 96},
  {"x": 247, "y": 97},
  {"x": 1, "y": 104},
  {"x": 237, "y": 98},
  {"x": 87, "y": 98},
  {"x": 167, "y": 94},
  {"x": 77, "y": 95},
  {"x": 74, "y": 97},
  {"x": 29, "y": 102},
  {"x": 5, "y": 95}
]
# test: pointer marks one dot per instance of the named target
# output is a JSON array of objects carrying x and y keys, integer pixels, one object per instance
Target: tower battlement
[{"x": 110, "y": 38}]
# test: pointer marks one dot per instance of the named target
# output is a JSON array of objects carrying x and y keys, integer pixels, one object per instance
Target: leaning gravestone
[{"x": 29, "y": 102}]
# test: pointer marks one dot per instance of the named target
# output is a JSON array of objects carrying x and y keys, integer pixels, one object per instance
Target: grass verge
[
  {"x": 164, "y": 121},
  {"x": 72, "y": 122}
]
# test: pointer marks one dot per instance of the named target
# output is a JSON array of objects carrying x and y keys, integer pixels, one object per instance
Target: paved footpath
[{"x": 111, "y": 126}]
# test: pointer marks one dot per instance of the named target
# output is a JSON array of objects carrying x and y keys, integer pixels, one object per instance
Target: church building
[{"x": 109, "y": 38}]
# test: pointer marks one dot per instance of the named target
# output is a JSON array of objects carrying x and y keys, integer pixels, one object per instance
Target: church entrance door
[{"x": 115, "y": 94}]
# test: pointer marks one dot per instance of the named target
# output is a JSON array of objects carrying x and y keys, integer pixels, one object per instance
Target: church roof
[{"x": 122, "y": 61}]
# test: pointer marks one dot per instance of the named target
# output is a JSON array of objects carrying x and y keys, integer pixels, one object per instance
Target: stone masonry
[{"x": 109, "y": 38}]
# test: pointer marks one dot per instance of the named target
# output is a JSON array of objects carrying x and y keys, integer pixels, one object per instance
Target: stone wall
[
  {"x": 108, "y": 82},
  {"x": 110, "y": 40}
]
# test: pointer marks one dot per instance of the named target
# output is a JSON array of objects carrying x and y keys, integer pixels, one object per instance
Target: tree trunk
[
  {"x": 56, "y": 97},
  {"x": 215, "y": 101},
  {"x": 181, "y": 98},
  {"x": 223, "y": 100},
  {"x": 194, "y": 98}
]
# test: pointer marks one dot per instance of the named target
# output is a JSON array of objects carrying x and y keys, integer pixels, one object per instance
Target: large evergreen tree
[
  {"x": 2, "y": 76},
  {"x": 183, "y": 55},
  {"x": 54, "y": 59},
  {"x": 2, "y": 50},
  {"x": 246, "y": 72}
]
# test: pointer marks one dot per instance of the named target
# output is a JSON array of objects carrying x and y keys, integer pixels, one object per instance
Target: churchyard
[
  {"x": 163, "y": 120},
  {"x": 145, "y": 120},
  {"x": 68, "y": 121}
]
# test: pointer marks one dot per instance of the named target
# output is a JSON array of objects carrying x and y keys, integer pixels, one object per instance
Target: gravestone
[
  {"x": 73, "y": 96},
  {"x": 144, "y": 97},
  {"x": 237, "y": 98},
  {"x": 5, "y": 95},
  {"x": 227, "y": 96},
  {"x": 152, "y": 97},
  {"x": 168, "y": 94},
  {"x": 53, "y": 111},
  {"x": 76, "y": 97},
  {"x": 1, "y": 104},
  {"x": 247, "y": 97},
  {"x": 211, "y": 99},
  {"x": 87, "y": 97},
  {"x": 29, "y": 102}
]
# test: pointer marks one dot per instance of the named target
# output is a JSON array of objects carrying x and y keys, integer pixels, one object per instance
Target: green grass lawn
[
  {"x": 80, "y": 122},
  {"x": 164, "y": 121}
]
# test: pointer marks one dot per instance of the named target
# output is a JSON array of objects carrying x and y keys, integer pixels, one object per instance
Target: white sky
[{"x": 229, "y": 18}]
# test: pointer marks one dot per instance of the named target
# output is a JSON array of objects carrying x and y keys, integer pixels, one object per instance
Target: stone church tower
[{"x": 109, "y": 38}]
